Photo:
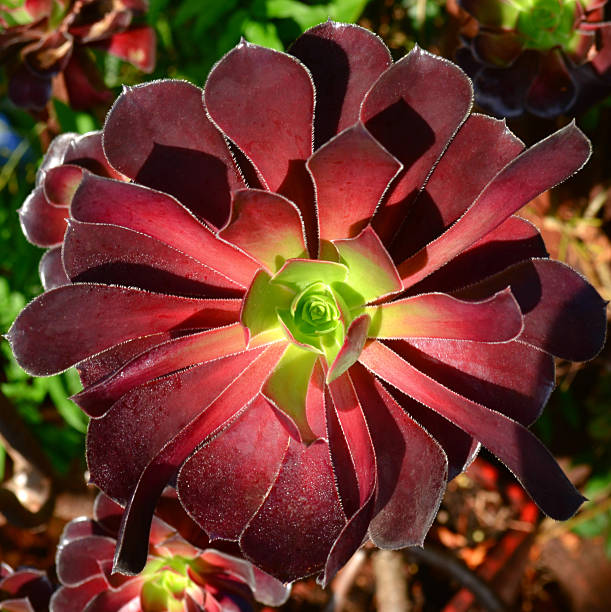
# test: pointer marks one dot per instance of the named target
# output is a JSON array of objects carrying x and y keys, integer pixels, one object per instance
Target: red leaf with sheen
[
  {"x": 100, "y": 200},
  {"x": 351, "y": 173},
  {"x": 514, "y": 377},
  {"x": 344, "y": 61},
  {"x": 213, "y": 485},
  {"x": 483, "y": 143},
  {"x": 258, "y": 215},
  {"x": 42, "y": 223},
  {"x": 130, "y": 556},
  {"x": 263, "y": 101},
  {"x": 512, "y": 443},
  {"x": 160, "y": 360},
  {"x": 287, "y": 537},
  {"x": 45, "y": 337},
  {"x": 407, "y": 496},
  {"x": 104, "y": 253},
  {"x": 151, "y": 415},
  {"x": 81, "y": 558},
  {"x": 513, "y": 241},
  {"x": 61, "y": 182},
  {"x": 193, "y": 164},
  {"x": 539, "y": 168},
  {"x": 437, "y": 315},
  {"x": 348, "y": 424},
  {"x": 106, "y": 362},
  {"x": 563, "y": 314},
  {"x": 77, "y": 598},
  {"x": 51, "y": 269},
  {"x": 408, "y": 111}
]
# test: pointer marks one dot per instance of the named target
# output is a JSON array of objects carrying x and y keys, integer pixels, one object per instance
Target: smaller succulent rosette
[
  {"x": 44, "y": 48},
  {"x": 179, "y": 576},
  {"x": 24, "y": 590},
  {"x": 544, "y": 57}
]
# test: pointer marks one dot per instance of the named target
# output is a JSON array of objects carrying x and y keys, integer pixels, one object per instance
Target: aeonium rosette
[
  {"x": 545, "y": 57},
  {"x": 24, "y": 590},
  {"x": 45, "y": 45},
  {"x": 310, "y": 329},
  {"x": 178, "y": 576}
]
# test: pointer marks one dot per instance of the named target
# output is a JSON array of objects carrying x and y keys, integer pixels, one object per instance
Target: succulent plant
[
  {"x": 24, "y": 590},
  {"x": 44, "y": 46},
  {"x": 545, "y": 57},
  {"x": 306, "y": 311},
  {"x": 178, "y": 576}
]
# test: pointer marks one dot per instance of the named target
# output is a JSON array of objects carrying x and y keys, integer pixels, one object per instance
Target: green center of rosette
[
  {"x": 545, "y": 24},
  {"x": 309, "y": 301},
  {"x": 165, "y": 581},
  {"x": 318, "y": 307}
]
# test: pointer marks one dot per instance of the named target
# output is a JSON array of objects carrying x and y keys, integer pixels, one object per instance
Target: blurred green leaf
[
  {"x": 74, "y": 121},
  {"x": 264, "y": 34}
]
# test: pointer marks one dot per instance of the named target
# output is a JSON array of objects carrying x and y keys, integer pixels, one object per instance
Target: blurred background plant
[{"x": 484, "y": 525}]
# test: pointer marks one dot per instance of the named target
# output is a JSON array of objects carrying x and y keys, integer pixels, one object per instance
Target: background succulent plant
[
  {"x": 44, "y": 45},
  {"x": 545, "y": 57}
]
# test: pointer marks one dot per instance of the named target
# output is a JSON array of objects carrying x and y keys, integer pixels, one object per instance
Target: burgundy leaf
[
  {"x": 252, "y": 89},
  {"x": 402, "y": 447},
  {"x": 193, "y": 164},
  {"x": 160, "y": 360},
  {"x": 257, "y": 215},
  {"x": 67, "y": 599},
  {"x": 351, "y": 172},
  {"x": 460, "y": 366},
  {"x": 42, "y": 223},
  {"x": 513, "y": 241},
  {"x": 344, "y": 61},
  {"x": 437, "y": 315},
  {"x": 497, "y": 48},
  {"x": 483, "y": 143},
  {"x": 352, "y": 426},
  {"x": 151, "y": 415},
  {"x": 512, "y": 443},
  {"x": 61, "y": 182},
  {"x": 104, "y": 253},
  {"x": 539, "y": 168},
  {"x": 291, "y": 534},
  {"x": 44, "y": 335},
  {"x": 213, "y": 485},
  {"x": 563, "y": 314},
  {"x": 130, "y": 556},
  {"x": 408, "y": 112},
  {"x": 264, "y": 102},
  {"x": 106, "y": 362},
  {"x": 100, "y": 200},
  {"x": 86, "y": 151},
  {"x": 51, "y": 269},
  {"x": 80, "y": 559}
]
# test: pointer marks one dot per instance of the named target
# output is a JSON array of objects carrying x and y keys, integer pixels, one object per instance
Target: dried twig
[{"x": 391, "y": 582}]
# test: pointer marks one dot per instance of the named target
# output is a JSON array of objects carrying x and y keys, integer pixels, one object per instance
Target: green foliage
[
  {"x": 74, "y": 121},
  {"x": 193, "y": 37},
  {"x": 598, "y": 510},
  {"x": 61, "y": 433}
]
